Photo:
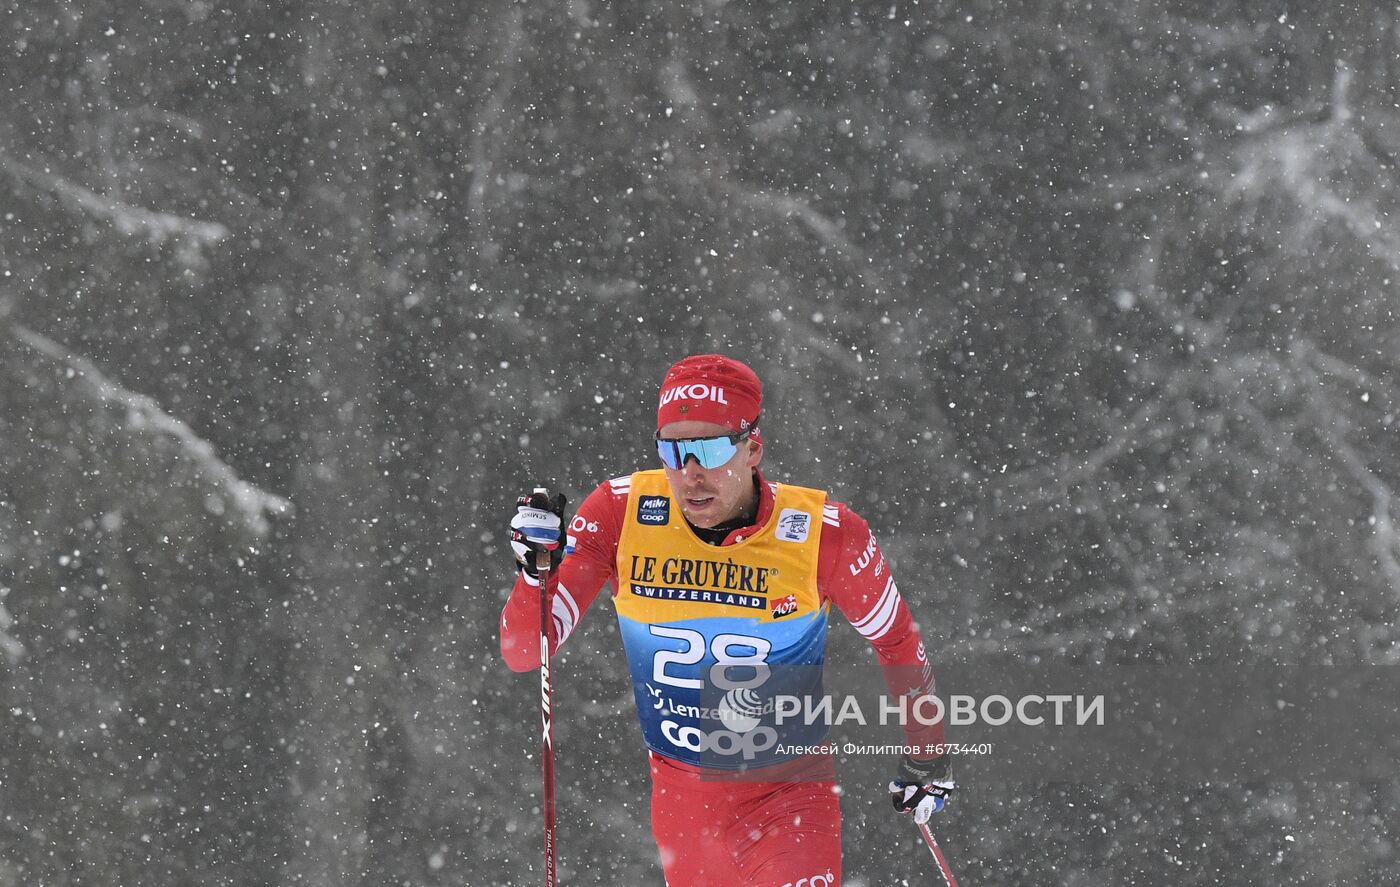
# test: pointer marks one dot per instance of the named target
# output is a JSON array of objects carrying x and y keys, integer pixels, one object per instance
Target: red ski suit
[{"x": 754, "y": 830}]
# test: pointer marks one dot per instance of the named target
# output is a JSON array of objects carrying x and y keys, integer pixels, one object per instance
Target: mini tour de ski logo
[
  {"x": 654, "y": 510},
  {"x": 785, "y": 607},
  {"x": 793, "y": 525}
]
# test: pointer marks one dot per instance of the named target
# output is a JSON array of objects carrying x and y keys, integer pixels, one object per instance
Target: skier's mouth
[{"x": 699, "y": 501}]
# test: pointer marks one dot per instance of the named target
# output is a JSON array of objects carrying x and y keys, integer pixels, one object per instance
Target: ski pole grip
[{"x": 540, "y": 499}]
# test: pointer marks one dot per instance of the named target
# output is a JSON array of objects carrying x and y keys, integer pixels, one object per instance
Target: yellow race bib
[{"x": 714, "y": 633}]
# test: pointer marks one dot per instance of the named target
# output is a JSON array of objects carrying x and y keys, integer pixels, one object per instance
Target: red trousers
[{"x": 744, "y": 833}]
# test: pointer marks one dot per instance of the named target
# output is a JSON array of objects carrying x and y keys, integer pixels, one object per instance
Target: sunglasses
[{"x": 710, "y": 452}]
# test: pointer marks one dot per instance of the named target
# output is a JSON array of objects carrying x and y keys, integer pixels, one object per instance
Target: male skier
[{"x": 723, "y": 582}]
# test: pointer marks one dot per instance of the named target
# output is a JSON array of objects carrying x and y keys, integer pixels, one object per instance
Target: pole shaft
[
  {"x": 938, "y": 856},
  {"x": 542, "y": 565}
]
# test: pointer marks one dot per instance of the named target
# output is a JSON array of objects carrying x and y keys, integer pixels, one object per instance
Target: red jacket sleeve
[
  {"x": 853, "y": 574},
  {"x": 590, "y": 563}
]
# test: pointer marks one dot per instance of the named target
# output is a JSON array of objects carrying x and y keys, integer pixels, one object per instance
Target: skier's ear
[{"x": 755, "y": 452}]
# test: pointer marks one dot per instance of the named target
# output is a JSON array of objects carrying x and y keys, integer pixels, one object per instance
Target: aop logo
[
  {"x": 697, "y": 391},
  {"x": 818, "y": 880},
  {"x": 785, "y": 607}
]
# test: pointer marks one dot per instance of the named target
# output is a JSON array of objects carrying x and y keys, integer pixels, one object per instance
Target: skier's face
[{"x": 711, "y": 496}]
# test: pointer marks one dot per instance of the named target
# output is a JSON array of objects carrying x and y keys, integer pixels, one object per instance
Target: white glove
[
  {"x": 921, "y": 787},
  {"x": 536, "y": 526}
]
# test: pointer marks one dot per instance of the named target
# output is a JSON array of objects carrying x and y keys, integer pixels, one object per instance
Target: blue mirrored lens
[{"x": 710, "y": 452}]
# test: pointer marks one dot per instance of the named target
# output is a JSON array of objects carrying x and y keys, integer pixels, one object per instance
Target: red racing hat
[{"x": 711, "y": 388}]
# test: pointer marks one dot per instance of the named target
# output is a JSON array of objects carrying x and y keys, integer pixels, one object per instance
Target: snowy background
[{"x": 1089, "y": 309}]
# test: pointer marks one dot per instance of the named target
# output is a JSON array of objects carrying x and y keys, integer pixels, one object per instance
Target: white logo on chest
[{"x": 794, "y": 525}]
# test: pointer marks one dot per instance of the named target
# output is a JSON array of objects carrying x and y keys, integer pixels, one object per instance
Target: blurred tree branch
[
  {"x": 157, "y": 227},
  {"x": 241, "y": 500}
]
